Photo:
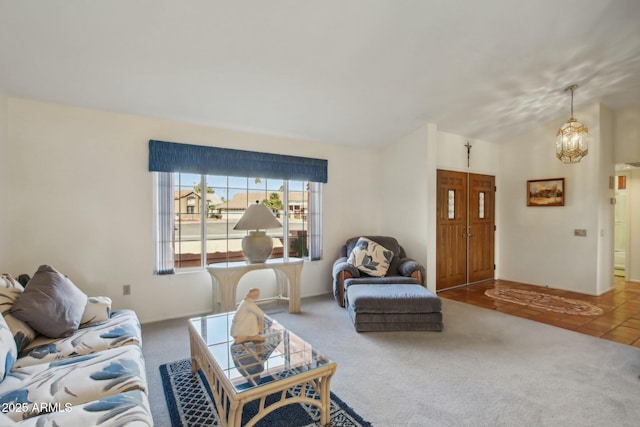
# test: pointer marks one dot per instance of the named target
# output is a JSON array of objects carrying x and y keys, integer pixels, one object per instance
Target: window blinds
[{"x": 163, "y": 225}]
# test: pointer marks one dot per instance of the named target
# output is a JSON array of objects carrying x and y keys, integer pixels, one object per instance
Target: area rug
[
  {"x": 544, "y": 301},
  {"x": 190, "y": 404}
]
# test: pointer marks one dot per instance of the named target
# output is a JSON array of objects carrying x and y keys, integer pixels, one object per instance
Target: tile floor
[{"x": 619, "y": 322}]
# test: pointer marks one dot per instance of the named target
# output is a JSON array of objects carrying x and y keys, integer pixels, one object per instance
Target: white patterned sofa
[{"x": 93, "y": 376}]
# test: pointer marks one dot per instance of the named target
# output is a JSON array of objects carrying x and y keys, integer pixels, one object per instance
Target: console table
[{"x": 225, "y": 277}]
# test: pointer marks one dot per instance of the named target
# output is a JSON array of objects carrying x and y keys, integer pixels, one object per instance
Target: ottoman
[{"x": 393, "y": 307}]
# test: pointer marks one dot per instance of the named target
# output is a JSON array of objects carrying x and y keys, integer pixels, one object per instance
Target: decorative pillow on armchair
[{"x": 370, "y": 257}]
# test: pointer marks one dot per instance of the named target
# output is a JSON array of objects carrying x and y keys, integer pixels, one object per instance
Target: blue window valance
[{"x": 188, "y": 158}]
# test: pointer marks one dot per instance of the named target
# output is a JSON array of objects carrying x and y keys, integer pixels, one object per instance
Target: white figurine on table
[{"x": 248, "y": 321}]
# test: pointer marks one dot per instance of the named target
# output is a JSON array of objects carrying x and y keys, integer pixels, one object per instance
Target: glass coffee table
[{"x": 241, "y": 373}]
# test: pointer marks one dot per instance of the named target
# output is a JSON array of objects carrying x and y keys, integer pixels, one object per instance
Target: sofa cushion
[
  {"x": 391, "y": 280},
  {"x": 98, "y": 309},
  {"x": 74, "y": 380},
  {"x": 122, "y": 328},
  {"x": 370, "y": 257},
  {"x": 10, "y": 290},
  {"x": 392, "y": 307},
  {"x": 8, "y": 349},
  {"x": 129, "y": 409},
  {"x": 5, "y": 421},
  {"x": 404, "y": 298},
  {"x": 372, "y": 322},
  {"x": 51, "y": 304}
]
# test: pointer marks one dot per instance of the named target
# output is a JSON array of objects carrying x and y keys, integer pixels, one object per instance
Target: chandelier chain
[
  {"x": 572, "y": 102},
  {"x": 571, "y": 89}
]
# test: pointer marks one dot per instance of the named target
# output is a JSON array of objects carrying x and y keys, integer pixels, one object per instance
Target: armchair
[{"x": 402, "y": 270}]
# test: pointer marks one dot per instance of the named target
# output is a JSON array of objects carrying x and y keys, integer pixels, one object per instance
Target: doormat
[
  {"x": 544, "y": 301},
  {"x": 190, "y": 404}
]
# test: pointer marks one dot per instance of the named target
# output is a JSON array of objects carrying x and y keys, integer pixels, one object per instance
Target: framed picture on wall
[{"x": 545, "y": 192}]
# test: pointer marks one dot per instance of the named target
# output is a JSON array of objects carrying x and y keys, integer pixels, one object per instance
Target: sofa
[{"x": 70, "y": 370}]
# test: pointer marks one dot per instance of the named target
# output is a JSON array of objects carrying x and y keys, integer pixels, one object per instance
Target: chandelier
[{"x": 571, "y": 139}]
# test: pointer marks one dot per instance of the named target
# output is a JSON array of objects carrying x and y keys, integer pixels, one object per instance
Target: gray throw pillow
[{"x": 51, "y": 304}]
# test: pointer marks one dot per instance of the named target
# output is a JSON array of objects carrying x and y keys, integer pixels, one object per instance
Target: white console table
[{"x": 225, "y": 277}]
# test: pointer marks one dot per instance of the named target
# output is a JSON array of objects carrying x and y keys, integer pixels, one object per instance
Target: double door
[{"x": 465, "y": 228}]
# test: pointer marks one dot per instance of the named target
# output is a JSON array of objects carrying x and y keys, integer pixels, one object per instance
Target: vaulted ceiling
[{"x": 357, "y": 72}]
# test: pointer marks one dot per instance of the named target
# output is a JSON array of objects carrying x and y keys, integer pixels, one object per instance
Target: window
[
  {"x": 196, "y": 209},
  {"x": 209, "y": 237}
]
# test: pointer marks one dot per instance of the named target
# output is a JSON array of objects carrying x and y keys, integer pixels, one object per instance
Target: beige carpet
[{"x": 485, "y": 369}]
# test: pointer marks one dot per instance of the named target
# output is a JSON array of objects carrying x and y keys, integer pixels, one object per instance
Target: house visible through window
[
  {"x": 201, "y": 192},
  {"x": 203, "y": 225}
]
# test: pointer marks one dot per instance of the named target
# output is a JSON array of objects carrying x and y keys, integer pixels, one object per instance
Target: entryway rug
[
  {"x": 544, "y": 301},
  {"x": 190, "y": 404}
]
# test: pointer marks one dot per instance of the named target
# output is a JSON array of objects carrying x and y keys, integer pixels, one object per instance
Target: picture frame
[{"x": 546, "y": 192}]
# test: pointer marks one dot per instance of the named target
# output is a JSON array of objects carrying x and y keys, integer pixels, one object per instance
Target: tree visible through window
[{"x": 204, "y": 220}]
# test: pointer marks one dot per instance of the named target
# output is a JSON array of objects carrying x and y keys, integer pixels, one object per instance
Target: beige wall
[
  {"x": 605, "y": 203},
  {"x": 81, "y": 200},
  {"x": 533, "y": 245},
  {"x": 627, "y": 135},
  {"x": 626, "y": 130},
  {"x": 403, "y": 195},
  {"x": 4, "y": 177},
  {"x": 409, "y": 185},
  {"x": 633, "y": 199},
  {"x": 537, "y": 244}
]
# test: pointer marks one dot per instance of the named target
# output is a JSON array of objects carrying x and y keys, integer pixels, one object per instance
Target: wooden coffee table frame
[{"x": 230, "y": 403}]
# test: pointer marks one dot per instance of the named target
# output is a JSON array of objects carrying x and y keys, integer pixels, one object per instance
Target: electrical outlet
[{"x": 126, "y": 289}]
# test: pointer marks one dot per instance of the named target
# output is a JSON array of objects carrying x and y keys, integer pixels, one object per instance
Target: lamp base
[{"x": 257, "y": 247}]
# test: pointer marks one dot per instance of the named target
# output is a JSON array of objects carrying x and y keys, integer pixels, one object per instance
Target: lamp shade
[{"x": 257, "y": 217}]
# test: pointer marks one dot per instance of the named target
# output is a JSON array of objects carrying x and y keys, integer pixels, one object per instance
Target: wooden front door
[
  {"x": 465, "y": 228},
  {"x": 451, "y": 223},
  {"x": 481, "y": 227}
]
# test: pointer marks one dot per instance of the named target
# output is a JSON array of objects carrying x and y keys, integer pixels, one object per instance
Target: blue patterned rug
[{"x": 190, "y": 404}]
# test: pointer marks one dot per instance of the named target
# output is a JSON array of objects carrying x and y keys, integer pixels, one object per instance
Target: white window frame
[{"x": 313, "y": 224}]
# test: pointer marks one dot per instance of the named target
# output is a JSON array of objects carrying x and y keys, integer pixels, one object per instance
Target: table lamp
[{"x": 257, "y": 246}]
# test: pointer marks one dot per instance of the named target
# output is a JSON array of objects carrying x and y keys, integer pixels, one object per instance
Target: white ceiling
[{"x": 353, "y": 72}]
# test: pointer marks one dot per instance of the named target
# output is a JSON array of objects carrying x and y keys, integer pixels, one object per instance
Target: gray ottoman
[{"x": 394, "y": 307}]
